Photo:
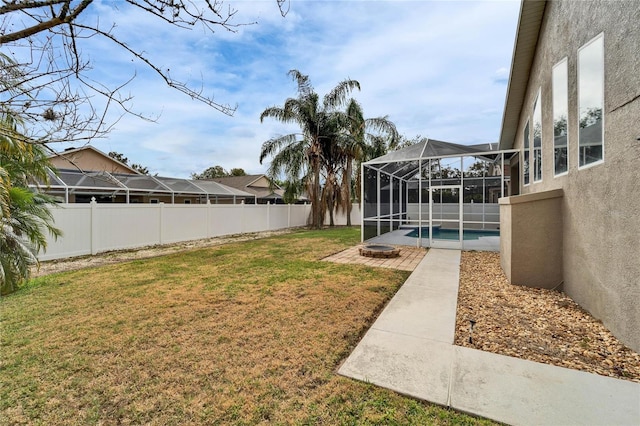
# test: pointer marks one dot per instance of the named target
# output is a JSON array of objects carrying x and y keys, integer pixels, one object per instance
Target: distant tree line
[
  {"x": 218, "y": 172},
  {"x": 124, "y": 160}
]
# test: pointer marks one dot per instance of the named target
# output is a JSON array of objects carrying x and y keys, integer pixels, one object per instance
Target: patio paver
[{"x": 409, "y": 259}]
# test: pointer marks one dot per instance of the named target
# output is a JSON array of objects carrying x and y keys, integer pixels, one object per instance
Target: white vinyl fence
[
  {"x": 472, "y": 212},
  {"x": 93, "y": 228}
]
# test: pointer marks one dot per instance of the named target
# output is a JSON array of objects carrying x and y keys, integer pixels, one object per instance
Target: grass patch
[{"x": 241, "y": 334}]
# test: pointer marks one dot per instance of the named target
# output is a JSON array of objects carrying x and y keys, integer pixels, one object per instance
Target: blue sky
[{"x": 438, "y": 69}]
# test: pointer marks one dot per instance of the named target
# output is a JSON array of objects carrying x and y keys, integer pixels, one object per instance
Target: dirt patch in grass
[
  {"x": 117, "y": 256},
  {"x": 535, "y": 324},
  {"x": 243, "y": 333}
]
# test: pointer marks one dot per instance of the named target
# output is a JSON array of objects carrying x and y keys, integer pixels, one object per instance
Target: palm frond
[
  {"x": 273, "y": 145},
  {"x": 338, "y": 95},
  {"x": 25, "y": 218},
  {"x": 302, "y": 80},
  {"x": 290, "y": 161}
]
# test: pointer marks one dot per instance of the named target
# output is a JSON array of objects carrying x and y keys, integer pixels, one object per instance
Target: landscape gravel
[{"x": 534, "y": 324}]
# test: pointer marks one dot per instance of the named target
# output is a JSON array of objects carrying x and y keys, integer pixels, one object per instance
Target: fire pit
[{"x": 379, "y": 251}]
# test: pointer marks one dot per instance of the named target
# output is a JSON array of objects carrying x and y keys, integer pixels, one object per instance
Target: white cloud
[{"x": 431, "y": 66}]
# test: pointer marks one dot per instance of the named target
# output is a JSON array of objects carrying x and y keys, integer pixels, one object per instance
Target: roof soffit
[{"x": 529, "y": 23}]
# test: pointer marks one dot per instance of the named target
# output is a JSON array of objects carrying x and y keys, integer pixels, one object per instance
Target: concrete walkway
[{"x": 410, "y": 350}]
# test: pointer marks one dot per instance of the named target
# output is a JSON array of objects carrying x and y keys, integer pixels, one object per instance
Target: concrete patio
[{"x": 409, "y": 349}]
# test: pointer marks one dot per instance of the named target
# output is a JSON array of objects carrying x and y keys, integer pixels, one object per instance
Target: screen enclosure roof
[
  {"x": 405, "y": 163},
  {"x": 79, "y": 181}
]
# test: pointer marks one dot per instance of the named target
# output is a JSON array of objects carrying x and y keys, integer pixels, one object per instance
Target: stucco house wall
[
  {"x": 601, "y": 203},
  {"x": 532, "y": 220}
]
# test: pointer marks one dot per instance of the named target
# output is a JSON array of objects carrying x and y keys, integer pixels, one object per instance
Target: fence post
[
  {"x": 161, "y": 213},
  {"x": 268, "y": 215},
  {"x": 208, "y": 218},
  {"x": 289, "y": 215},
  {"x": 242, "y": 218},
  {"x": 94, "y": 226}
]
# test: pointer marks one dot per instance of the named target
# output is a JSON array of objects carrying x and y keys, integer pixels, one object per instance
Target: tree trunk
[
  {"x": 315, "y": 197},
  {"x": 330, "y": 197},
  {"x": 348, "y": 178},
  {"x": 334, "y": 188},
  {"x": 331, "y": 222}
]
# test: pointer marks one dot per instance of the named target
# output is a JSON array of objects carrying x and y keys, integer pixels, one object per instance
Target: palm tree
[
  {"x": 332, "y": 161},
  {"x": 301, "y": 156},
  {"x": 24, "y": 215},
  {"x": 365, "y": 139}
]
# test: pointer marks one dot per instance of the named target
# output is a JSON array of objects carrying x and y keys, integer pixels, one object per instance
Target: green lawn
[{"x": 237, "y": 334}]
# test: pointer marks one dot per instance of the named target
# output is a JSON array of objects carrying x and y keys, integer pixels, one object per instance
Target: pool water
[{"x": 452, "y": 234}]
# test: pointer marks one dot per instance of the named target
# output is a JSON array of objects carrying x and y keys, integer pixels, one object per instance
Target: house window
[
  {"x": 537, "y": 140},
  {"x": 525, "y": 161},
  {"x": 560, "y": 82},
  {"x": 154, "y": 201},
  {"x": 591, "y": 101},
  {"x": 187, "y": 201}
]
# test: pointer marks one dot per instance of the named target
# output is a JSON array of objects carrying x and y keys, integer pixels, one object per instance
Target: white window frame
[
  {"x": 584, "y": 46},
  {"x": 563, "y": 62},
  {"x": 534, "y": 158},
  {"x": 526, "y": 159}
]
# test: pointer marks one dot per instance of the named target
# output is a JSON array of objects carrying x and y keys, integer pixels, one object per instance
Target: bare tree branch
[
  {"x": 13, "y": 6},
  {"x": 50, "y": 86},
  {"x": 56, "y": 20}
]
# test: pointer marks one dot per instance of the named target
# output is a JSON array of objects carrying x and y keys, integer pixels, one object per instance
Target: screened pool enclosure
[
  {"x": 436, "y": 194},
  {"x": 74, "y": 186}
]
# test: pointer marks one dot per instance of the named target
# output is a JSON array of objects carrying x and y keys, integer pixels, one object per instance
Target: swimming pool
[{"x": 452, "y": 234}]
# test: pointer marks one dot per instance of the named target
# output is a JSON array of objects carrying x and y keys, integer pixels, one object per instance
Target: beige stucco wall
[
  {"x": 601, "y": 204},
  {"x": 531, "y": 239},
  {"x": 88, "y": 160}
]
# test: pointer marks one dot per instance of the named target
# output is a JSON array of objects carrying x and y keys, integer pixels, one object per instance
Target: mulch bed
[{"x": 534, "y": 324}]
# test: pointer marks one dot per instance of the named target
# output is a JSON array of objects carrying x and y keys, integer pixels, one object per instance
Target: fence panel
[
  {"x": 279, "y": 216},
  {"x": 93, "y": 228},
  {"x": 473, "y": 212},
  {"x": 125, "y": 226},
  {"x": 75, "y": 222},
  {"x": 225, "y": 220},
  {"x": 340, "y": 218},
  {"x": 300, "y": 214},
  {"x": 182, "y": 222}
]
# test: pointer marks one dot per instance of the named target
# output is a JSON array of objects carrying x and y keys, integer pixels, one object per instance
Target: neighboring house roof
[
  {"x": 220, "y": 189},
  {"x": 80, "y": 158},
  {"x": 89, "y": 175},
  {"x": 100, "y": 181},
  {"x": 237, "y": 181},
  {"x": 258, "y": 185},
  {"x": 529, "y": 23}
]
